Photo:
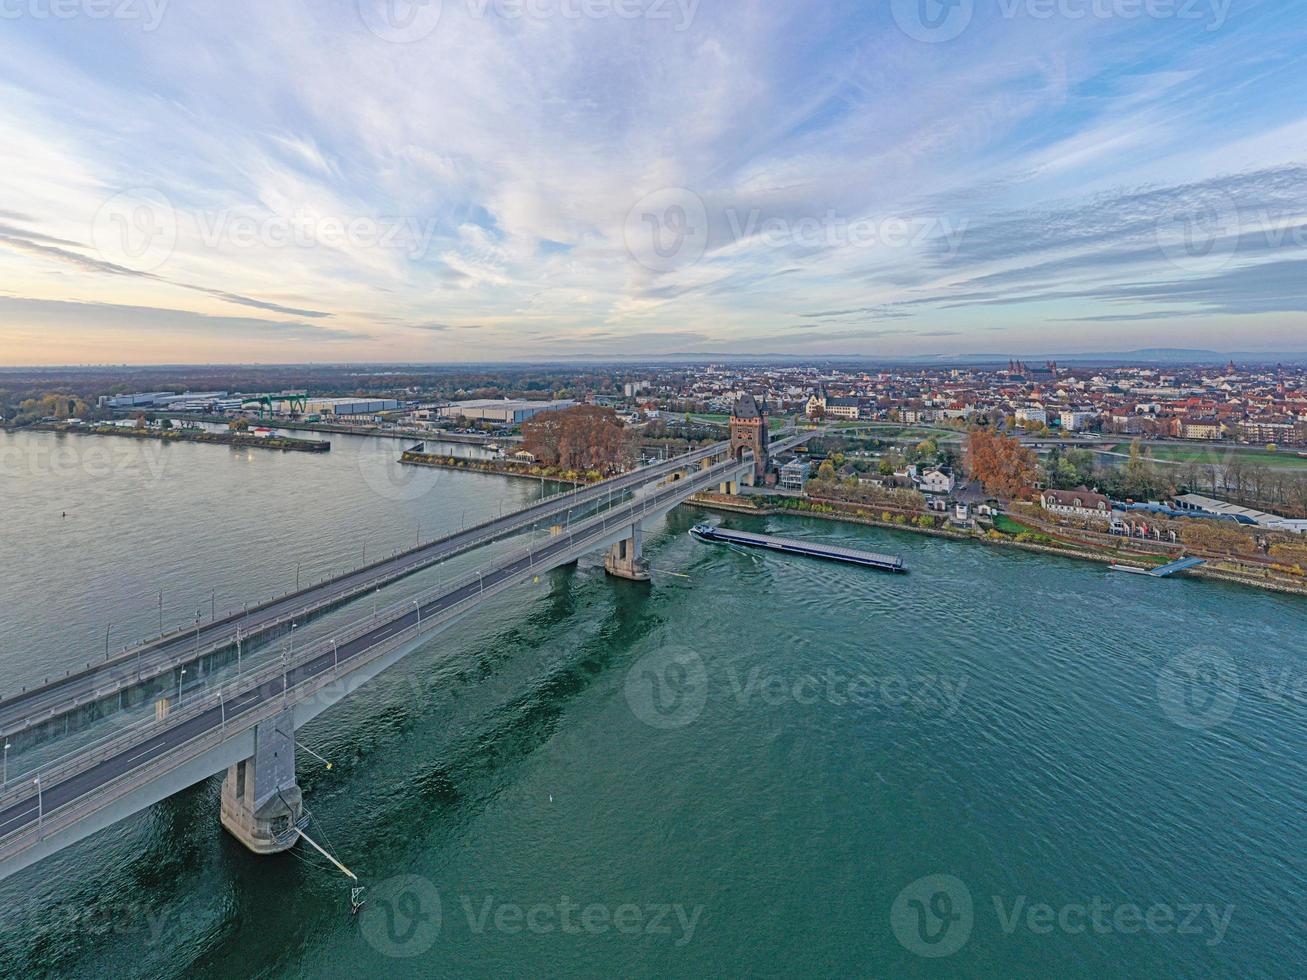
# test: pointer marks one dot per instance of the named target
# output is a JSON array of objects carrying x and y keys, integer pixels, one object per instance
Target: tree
[
  {"x": 1001, "y": 463},
  {"x": 826, "y": 471},
  {"x": 585, "y": 437},
  {"x": 239, "y": 425}
]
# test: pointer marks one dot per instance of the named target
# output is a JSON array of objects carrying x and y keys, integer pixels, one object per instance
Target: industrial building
[
  {"x": 1196, "y": 502},
  {"x": 350, "y": 406},
  {"x": 503, "y": 411}
]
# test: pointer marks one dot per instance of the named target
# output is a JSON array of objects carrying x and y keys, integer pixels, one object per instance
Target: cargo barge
[{"x": 810, "y": 549}]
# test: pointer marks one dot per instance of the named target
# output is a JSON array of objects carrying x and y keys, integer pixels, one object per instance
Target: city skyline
[{"x": 493, "y": 182}]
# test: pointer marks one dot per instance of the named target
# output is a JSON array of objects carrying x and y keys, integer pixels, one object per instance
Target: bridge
[
  {"x": 98, "y": 688},
  {"x": 245, "y": 722}
]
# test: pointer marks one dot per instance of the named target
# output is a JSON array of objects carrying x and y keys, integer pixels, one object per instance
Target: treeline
[{"x": 586, "y": 437}]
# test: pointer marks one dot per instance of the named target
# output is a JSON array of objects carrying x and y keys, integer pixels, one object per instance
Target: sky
[{"x": 493, "y": 180}]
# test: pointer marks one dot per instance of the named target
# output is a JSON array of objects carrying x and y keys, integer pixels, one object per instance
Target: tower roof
[{"x": 747, "y": 407}]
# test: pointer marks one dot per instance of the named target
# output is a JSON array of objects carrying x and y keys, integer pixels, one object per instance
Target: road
[
  {"x": 89, "y": 784},
  {"x": 162, "y": 655}
]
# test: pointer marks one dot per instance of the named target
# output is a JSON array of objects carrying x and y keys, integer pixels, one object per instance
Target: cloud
[{"x": 482, "y": 178}]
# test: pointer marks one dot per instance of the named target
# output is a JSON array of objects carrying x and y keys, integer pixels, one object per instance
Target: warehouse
[
  {"x": 350, "y": 406},
  {"x": 503, "y": 411}
]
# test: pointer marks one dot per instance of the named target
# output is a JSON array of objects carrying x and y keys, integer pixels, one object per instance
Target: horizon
[{"x": 814, "y": 181}]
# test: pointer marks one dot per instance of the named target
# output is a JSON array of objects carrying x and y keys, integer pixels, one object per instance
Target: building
[
  {"x": 1196, "y": 502},
  {"x": 749, "y": 432},
  {"x": 1204, "y": 428},
  {"x": 349, "y": 406},
  {"x": 1081, "y": 502},
  {"x": 843, "y": 408},
  {"x": 140, "y": 400},
  {"x": 794, "y": 475},
  {"x": 503, "y": 411},
  {"x": 1077, "y": 419},
  {"x": 935, "y": 481},
  {"x": 1032, "y": 415}
]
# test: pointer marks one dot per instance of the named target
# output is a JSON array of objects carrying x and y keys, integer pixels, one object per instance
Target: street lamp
[
  {"x": 418, "y": 607},
  {"x": 5, "y": 780},
  {"x": 180, "y": 677},
  {"x": 40, "y": 806},
  {"x": 107, "y": 628}
]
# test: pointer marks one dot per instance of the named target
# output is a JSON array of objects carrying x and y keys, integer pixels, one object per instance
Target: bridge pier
[
  {"x": 262, "y": 805},
  {"x": 729, "y": 488},
  {"x": 625, "y": 559}
]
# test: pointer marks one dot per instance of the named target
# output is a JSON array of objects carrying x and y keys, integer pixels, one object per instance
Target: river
[{"x": 1002, "y": 764}]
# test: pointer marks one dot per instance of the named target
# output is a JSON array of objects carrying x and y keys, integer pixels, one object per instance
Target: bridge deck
[
  {"x": 96, "y": 783},
  {"x": 99, "y": 681}
]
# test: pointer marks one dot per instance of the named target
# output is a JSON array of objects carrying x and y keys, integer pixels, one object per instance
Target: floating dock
[
  {"x": 1165, "y": 570},
  {"x": 811, "y": 549}
]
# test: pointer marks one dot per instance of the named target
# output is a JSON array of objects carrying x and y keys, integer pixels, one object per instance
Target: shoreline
[
  {"x": 240, "y": 439},
  {"x": 491, "y": 467},
  {"x": 1211, "y": 571}
]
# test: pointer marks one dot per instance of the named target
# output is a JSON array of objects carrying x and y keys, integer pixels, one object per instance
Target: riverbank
[
  {"x": 344, "y": 429},
  {"x": 241, "y": 439},
  {"x": 1217, "y": 569},
  {"x": 499, "y": 467}
]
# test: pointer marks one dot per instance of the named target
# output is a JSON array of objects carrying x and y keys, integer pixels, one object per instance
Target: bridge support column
[
  {"x": 261, "y": 802},
  {"x": 625, "y": 559},
  {"x": 729, "y": 488}
]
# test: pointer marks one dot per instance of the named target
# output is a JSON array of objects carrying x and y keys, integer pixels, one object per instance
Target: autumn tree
[
  {"x": 585, "y": 437},
  {"x": 1001, "y": 463}
]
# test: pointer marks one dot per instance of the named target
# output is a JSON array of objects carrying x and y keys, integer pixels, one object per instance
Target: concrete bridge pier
[
  {"x": 261, "y": 802},
  {"x": 625, "y": 559},
  {"x": 729, "y": 488}
]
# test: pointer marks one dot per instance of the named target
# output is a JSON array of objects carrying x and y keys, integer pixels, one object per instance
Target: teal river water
[{"x": 1003, "y": 764}]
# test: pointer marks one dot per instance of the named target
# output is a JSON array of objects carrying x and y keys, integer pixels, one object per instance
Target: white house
[
  {"x": 936, "y": 481},
  {"x": 1081, "y": 502}
]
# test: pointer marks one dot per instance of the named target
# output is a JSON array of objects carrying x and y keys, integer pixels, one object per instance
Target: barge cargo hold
[{"x": 810, "y": 549}]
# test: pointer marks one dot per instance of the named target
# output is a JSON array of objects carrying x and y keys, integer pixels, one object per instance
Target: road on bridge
[
  {"x": 89, "y": 785},
  {"x": 160, "y": 656}
]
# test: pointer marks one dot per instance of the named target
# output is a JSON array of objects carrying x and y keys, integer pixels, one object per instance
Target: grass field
[{"x": 1221, "y": 455}]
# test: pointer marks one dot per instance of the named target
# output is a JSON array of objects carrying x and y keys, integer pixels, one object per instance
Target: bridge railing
[
  {"x": 20, "y": 786},
  {"x": 400, "y": 570}
]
